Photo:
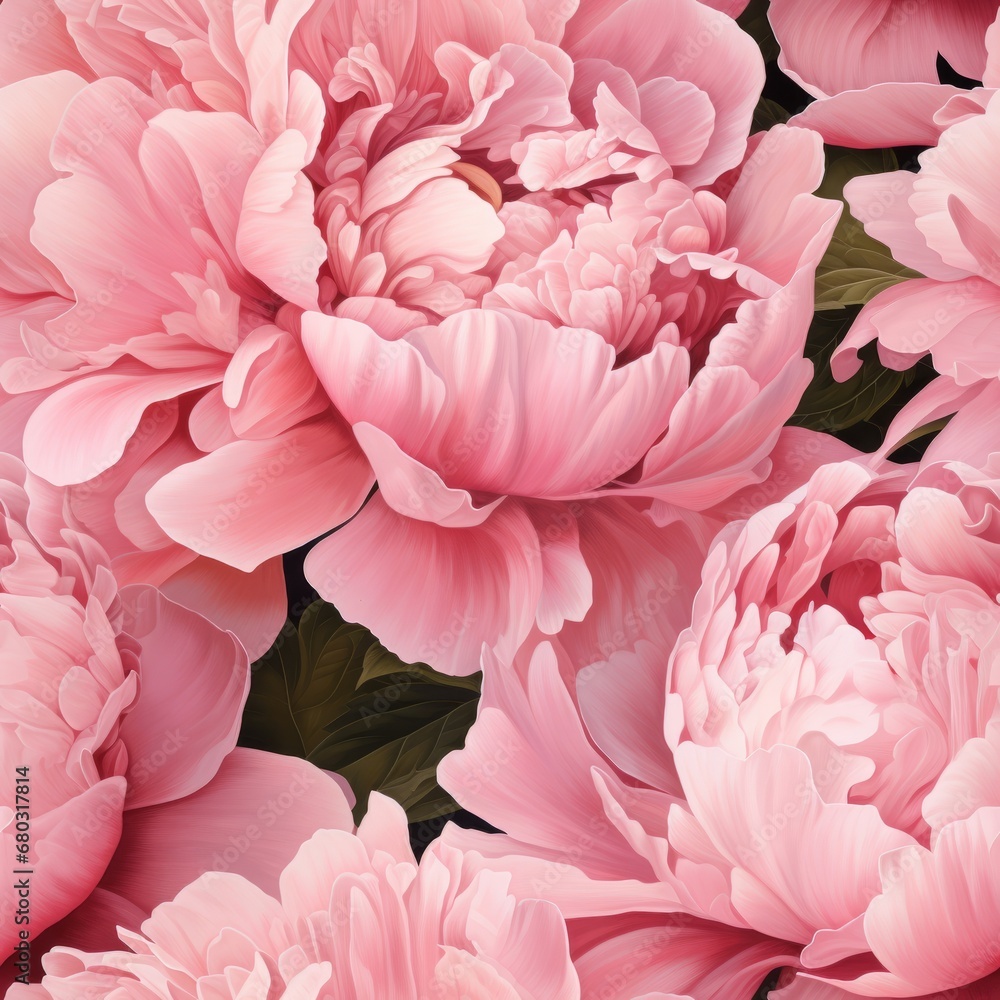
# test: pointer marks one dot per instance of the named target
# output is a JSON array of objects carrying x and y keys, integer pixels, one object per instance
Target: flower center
[{"x": 480, "y": 183}]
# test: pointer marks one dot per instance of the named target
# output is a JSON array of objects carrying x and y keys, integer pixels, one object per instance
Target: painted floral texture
[
  {"x": 260, "y": 256},
  {"x": 814, "y": 766},
  {"x": 374, "y": 369},
  {"x": 353, "y": 916},
  {"x": 120, "y": 712}
]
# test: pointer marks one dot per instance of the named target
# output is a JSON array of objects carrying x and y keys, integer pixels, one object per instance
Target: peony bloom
[
  {"x": 114, "y": 700},
  {"x": 570, "y": 763},
  {"x": 816, "y": 767},
  {"x": 321, "y": 208},
  {"x": 943, "y": 221},
  {"x": 122, "y": 709},
  {"x": 112, "y": 323},
  {"x": 353, "y": 915},
  {"x": 683, "y": 315}
]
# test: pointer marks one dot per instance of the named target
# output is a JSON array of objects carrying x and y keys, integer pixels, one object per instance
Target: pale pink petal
[
  {"x": 72, "y": 848},
  {"x": 765, "y": 206},
  {"x": 933, "y": 926},
  {"x": 92, "y": 926},
  {"x": 722, "y": 425},
  {"x": 487, "y": 582},
  {"x": 30, "y": 112},
  {"x": 971, "y": 435},
  {"x": 82, "y": 429},
  {"x": 384, "y": 828},
  {"x": 955, "y": 170},
  {"x": 268, "y": 387},
  {"x": 567, "y": 584},
  {"x": 184, "y": 927},
  {"x": 137, "y": 234},
  {"x": 529, "y": 731},
  {"x": 252, "y": 500},
  {"x": 305, "y": 883},
  {"x": 644, "y": 578},
  {"x": 622, "y": 703},
  {"x": 707, "y": 961},
  {"x": 277, "y": 239},
  {"x": 34, "y": 42},
  {"x": 970, "y": 782},
  {"x": 968, "y": 432},
  {"x": 487, "y": 440},
  {"x": 949, "y": 320},
  {"x": 413, "y": 490},
  {"x": 885, "y": 114},
  {"x": 193, "y": 682},
  {"x": 252, "y": 605},
  {"x": 991, "y": 75},
  {"x": 112, "y": 47},
  {"x": 367, "y": 375},
  {"x": 847, "y": 45},
  {"x": 776, "y": 885},
  {"x": 882, "y": 203},
  {"x": 692, "y": 43},
  {"x": 249, "y": 820},
  {"x": 536, "y": 98}
]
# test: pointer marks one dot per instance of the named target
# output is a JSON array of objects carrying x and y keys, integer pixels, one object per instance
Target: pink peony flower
[
  {"x": 943, "y": 222},
  {"x": 583, "y": 803},
  {"x": 114, "y": 701},
  {"x": 817, "y": 765},
  {"x": 683, "y": 314},
  {"x": 112, "y": 322},
  {"x": 249, "y": 820},
  {"x": 317, "y": 202},
  {"x": 353, "y": 915}
]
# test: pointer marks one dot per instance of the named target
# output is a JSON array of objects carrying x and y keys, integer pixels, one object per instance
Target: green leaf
[
  {"x": 832, "y": 406},
  {"x": 856, "y": 267},
  {"x": 754, "y": 22},
  {"x": 379, "y": 662},
  {"x": 767, "y": 114},
  {"x": 328, "y": 691}
]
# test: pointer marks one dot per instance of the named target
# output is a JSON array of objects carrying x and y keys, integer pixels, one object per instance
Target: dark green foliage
[
  {"x": 856, "y": 267},
  {"x": 329, "y": 692},
  {"x": 832, "y": 406}
]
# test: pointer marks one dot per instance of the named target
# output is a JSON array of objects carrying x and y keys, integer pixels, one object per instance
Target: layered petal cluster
[
  {"x": 114, "y": 701},
  {"x": 122, "y": 309},
  {"x": 353, "y": 915},
  {"x": 643, "y": 346},
  {"x": 506, "y": 259},
  {"x": 588, "y": 789},
  {"x": 816, "y": 766},
  {"x": 943, "y": 221}
]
